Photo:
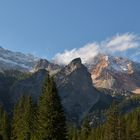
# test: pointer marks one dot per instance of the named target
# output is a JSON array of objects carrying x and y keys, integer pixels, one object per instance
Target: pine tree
[
  {"x": 73, "y": 133},
  {"x": 28, "y": 118},
  {"x": 50, "y": 114},
  {"x": 112, "y": 131},
  {"x": 133, "y": 125},
  {"x": 4, "y": 125},
  {"x": 34, "y": 124},
  {"x": 86, "y": 129},
  {"x": 121, "y": 128},
  {"x": 1, "y": 129},
  {"x": 22, "y": 119}
]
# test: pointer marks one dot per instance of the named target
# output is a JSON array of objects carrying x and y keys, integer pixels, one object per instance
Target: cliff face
[
  {"x": 74, "y": 85},
  {"x": 76, "y": 90},
  {"x": 77, "y": 84},
  {"x": 116, "y": 73}
]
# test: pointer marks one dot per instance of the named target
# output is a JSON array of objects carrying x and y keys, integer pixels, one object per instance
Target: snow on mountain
[
  {"x": 118, "y": 64},
  {"x": 44, "y": 64},
  {"x": 111, "y": 72},
  {"x": 107, "y": 71},
  {"x": 16, "y": 60}
]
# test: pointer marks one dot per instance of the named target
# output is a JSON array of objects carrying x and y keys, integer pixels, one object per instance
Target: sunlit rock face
[{"x": 116, "y": 73}]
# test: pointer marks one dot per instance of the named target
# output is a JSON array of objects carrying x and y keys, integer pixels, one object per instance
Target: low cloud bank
[{"x": 127, "y": 45}]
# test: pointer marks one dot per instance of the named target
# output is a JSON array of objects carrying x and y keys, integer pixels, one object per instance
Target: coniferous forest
[
  {"x": 116, "y": 127},
  {"x": 42, "y": 121},
  {"x": 46, "y": 120}
]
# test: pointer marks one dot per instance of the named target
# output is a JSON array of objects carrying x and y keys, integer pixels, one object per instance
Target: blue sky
[{"x": 47, "y": 27}]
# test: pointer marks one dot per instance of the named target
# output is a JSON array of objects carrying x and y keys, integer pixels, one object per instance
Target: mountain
[
  {"x": 76, "y": 90},
  {"x": 44, "y": 64},
  {"x": 74, "y": 85},
  {"x": 7, "y": 79},
  {"x": 31, "y": 85},
  {"x": 83, "y": 89},
  {"x": 16, "y": 60},
  {"x": 10, "y": 60},
  {"x": 118, "y": 73}
]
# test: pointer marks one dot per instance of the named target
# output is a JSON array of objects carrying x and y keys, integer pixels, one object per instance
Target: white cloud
[
  {"x": 118, "y": 44},
  {"x": 122, "y": 42},
  {"x": 86, "y": 53}
]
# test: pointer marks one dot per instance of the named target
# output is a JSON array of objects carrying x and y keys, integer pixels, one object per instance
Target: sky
[{"x": 66, "y": 29}]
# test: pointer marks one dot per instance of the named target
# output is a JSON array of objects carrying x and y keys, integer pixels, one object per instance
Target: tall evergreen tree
[
  {"x": 22, "y": 119},
  {"x": 121, "y": 128},
  {"x": 51, "y": 117},
  {"x": 112, "y": 131},
  {"x": 4, "y": 125},
  {"x": 85, "y": 130}
]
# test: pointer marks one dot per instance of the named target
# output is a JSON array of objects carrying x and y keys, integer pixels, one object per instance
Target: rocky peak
[
  {"x": 41, "y": 64},
  {"x": 44, "y": 64},
  {"x": 115, "y": 73},
  {"x": 75, "y": 88},
  {"x": 116, "y": 64},
  {"x": 74, "y": 64},
  {"x": 76, "y": 61}
]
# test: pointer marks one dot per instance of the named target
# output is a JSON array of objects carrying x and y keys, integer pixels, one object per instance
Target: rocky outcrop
[
  {"x": 74, "y": 85},
  {"x": 76, "y": 90},
  {"x": 116, "y": 73},
  {"x": 30, "y": 86},
  {"x": 44, "y": 64}
]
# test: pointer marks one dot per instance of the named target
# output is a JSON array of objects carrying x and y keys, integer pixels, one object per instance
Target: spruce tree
[
  {"x": 85, "y": 130},
  {"x": 51, "y": 118},
  {"x": 4, "y": 125},
  {"x": 112, "y": 131},
  {"x": 22, "y": 119},
  {"x": 73, "y": 133}
]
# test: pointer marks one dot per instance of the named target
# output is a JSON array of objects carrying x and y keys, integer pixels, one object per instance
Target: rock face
[
  {"x": 44, "y": 64},
  {"x": 24, "y": 62},
  {"x": 116, "y": 73},
  {"x": 76, "y": 90},
  {"x": 30, "y": 86},
  {"x": 24, "y": 75},
  {"x": 74, "y": 87}
]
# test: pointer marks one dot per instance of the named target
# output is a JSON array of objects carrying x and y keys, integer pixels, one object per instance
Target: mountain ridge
[
  {"x": 106, "y": 71},
  {"x": 116, "y": 73}
]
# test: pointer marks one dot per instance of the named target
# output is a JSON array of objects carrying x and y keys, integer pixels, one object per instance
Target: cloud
[
  {"x": 122, "y": 43},
  {"x": 86, "y": 53},
  {"x": 116, "y": 45}
]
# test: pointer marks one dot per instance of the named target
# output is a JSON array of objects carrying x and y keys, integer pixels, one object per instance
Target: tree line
[
  {"x": 116, "y": 127},
  {"x": 42, "y": 121},
  {"x": 45, "y": 120}
]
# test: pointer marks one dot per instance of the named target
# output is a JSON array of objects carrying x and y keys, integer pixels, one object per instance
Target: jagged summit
[
  {"x": 41, "y": 64},
  {"x": 10, "y": 60},
  {"x": 116, "y": 73},
  {"x": 45, "y": 64},
  {"x": 75, "y": 87},
  {"x": 106, "y": 71},
  {"x": 76, "y": 61}
]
